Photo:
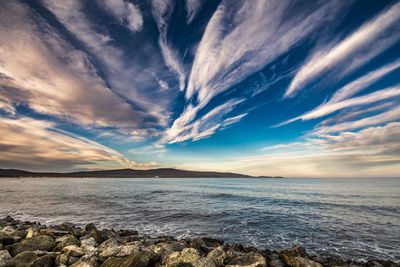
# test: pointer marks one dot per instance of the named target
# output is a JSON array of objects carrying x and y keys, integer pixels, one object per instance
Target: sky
[{"x": 262, "y": 87}]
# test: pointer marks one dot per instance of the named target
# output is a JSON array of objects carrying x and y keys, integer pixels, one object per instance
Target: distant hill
[{"x": 129, "y": 173}]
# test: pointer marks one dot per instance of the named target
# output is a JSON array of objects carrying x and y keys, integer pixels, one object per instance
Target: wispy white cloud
[
  {"x": 186, "y": 127},
  {"x": 126, "y": 13},
  {"x": 388, "y": 116},
  {"x": 192, "y": 8},
  {"x": 162, "y": 11},
  {"x": 364, "y": 44},
  {"x": 333, "y": 106},
  {"x": 232, "y": 120},
  {"x": 230, "y": 52}
]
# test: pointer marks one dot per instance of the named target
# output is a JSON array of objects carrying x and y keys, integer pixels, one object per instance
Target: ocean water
[{"x": 352, "y": 218}]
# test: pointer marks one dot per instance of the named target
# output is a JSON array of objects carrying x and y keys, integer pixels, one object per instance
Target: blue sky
[{"x": 292, "y": 88}]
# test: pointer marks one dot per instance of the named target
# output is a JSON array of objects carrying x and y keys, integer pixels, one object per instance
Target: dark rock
[
  {"x": 142, "y": 258},
  {"x": 205, "y": 244},
  {"x": 297, "y": 257},
  {"x": 45, "y": 243},
  {"x": 95, "y": 233},
  {"x": 23, "y": 259},
  {"x": 61, "y": 259},
  {"x": 72, "y": 229},
  {"x": 7, "y": 221},
  {"x": 125, "y": 233},
  {"x": 45, "y": 261}
]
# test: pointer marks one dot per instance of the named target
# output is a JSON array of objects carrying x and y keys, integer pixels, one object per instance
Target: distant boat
[{"x": 156, "y": 176}]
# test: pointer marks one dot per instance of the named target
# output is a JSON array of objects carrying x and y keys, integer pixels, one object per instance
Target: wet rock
[
  {"x": 119, "y": 251},
  {"x": 125, "y": 233},
  {"x": 205, "y": 244},
  {"x": 67, "y": 241},
  {"x": 7, "y": 221},
  {"x": 251, "y": 259},
  {"x": 23, "y": 259},
  {"x": 297, "y": 257},
  {"x": 275, "y": 261},
  {"x": 218, "y": 256},
  {"x": 73, "y": 251},
  {"x": 45, "y": 243},
  {"x": 5, "y": 257},
  {"x": 166, "y": 249},
  {"x": 186, "y": 256},
  {"x": 45, "y": 260}
]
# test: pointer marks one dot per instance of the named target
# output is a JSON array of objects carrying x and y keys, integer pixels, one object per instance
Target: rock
[
  {"x": 11, "y": 237},
  {"x": 45, "y": 243},
  {"x": 8, "y": 230},
  {"x": 166, "y": 249},
  {"x": 297, "y": 257},
  {"x": 125, "y": 233},
  {"x": 88, "y": 243},
  {"x": 113, "y": 262},
  {"x": 73, "y": 251},
  {"x": 5, "y": 257},
  {"x": 89, "y": 259},
  {"x": 275, "y": 261},
  {"x": 119, "y": 251},
  {"x": 186, "y": 256},
  {"x": 45, "y": 261},
  {"x": 53, "y": 232},
  {"x": 72, "y": 229},
  {"x": 205, "y": 262},
  {"x": 61, "y": 259},
  {"x": 251, "y": 259},
  {"x": 95, "y": 233},
  {"x": 23, "y": 259},
  {"x": 142, "y": 258},
  {"x": 218, "y": 256},
  {"x": 205, "y": 244},
  {"x": 67, "y": 241}
]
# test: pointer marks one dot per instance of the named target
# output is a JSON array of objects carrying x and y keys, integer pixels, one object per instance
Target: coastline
[{"x": 24, "y": 243}]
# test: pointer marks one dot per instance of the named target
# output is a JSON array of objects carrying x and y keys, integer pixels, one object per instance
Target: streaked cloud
[
  {"x": 192, "y": 8},
  {"x": 126, "y": 13},
  {"x": 363, "y": 44}
]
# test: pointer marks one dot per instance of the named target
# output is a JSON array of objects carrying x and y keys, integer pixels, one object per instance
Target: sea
[{"x": 351, "y": 218}]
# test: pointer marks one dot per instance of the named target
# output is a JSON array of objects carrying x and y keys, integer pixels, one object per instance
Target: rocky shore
[{"x": 25, "y": 243}]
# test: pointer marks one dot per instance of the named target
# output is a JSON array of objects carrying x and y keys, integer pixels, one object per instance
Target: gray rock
[
  {"x": 45, "y": 260},
  {"x": 5, "y": 257}
]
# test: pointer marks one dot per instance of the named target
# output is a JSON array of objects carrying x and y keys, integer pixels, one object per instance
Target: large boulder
[
  {"x": 143, "y": 258},
  {"x": 91, "y": 230},
  {"x": 251, "y": 259},
  {"x": 5, "y": 257},
  {"x": 218, "y": 256},
  {"x": 187, "y": 257},
  {"x": 204, "y": 262},
  {"x": 88, "y": 243},
  {"x": 296, "y": 256},
  {"x": 23, "y": 259},
  {"x": 113, "y": 262},
  {"x": 45, "y": 243}
]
